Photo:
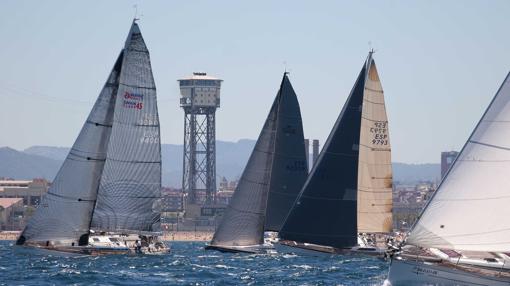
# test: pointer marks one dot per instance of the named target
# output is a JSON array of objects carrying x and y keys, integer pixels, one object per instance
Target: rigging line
[
  {"x": 374, "y": 90},
  {"x": 490, "y": 145}
]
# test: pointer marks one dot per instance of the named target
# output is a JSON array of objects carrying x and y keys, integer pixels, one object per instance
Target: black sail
[
  {"x": 64, "y": 214},
  {"x": 271, "y": 179},
  {"x": 289, "y": 169},
  {"x": 325, "y": 211}
]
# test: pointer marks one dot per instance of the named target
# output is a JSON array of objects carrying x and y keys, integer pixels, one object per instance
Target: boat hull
[
  {"x": 409, "y": 272},
  {"x": 308, "y": 249},
  {"x": 241, "y": 249}
]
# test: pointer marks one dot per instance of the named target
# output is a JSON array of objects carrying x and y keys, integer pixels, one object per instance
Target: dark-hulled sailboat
[
  {"x": 272, "y": 178},
  {"x": 104, "y": 199},
  {"x": 346, "y": 202}
]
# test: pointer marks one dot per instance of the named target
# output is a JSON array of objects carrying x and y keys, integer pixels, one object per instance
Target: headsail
[
  {"x": 65, "y": 212},
  {"x": 469, "y": 210},
  {"x": 243, "y": 221},
  {"x": 374, "y": 168},
  {"x": 130, "y": 185},
  {"x": 272, "y": 178},
  {"x": 325, "y": 210},
  {"x": 289, "y": 169}
]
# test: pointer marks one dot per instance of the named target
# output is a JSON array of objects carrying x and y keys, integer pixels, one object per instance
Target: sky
[{"x": 440, "y": 63}]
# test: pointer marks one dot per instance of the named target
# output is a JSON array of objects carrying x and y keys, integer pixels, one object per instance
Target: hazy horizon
[{"x": 440, "y": 64}]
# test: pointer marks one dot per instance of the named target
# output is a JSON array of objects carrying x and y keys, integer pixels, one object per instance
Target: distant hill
[
  {"x": 20, "y": 165},
  {"x": 44, "y": 161}
]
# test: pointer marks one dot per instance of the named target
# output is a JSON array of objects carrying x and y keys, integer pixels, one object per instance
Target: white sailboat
[
  {"x": 104, "y": 199},
  {"x": 463, "y": 234},
  {"x": 346, "y": 202}
]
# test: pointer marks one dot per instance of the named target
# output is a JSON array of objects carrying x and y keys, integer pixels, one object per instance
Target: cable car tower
[{"x": 200, "y": 97}]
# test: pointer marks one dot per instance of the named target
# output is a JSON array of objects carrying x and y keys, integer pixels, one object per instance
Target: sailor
[{"x": 138, "y": 246}]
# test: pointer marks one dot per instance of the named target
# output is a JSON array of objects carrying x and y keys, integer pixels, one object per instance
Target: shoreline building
[
  {"x": 18, "y": 200},
  {"x": 447, "y": 159}
]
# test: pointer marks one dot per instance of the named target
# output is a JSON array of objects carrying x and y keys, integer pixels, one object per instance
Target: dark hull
[
  {"x": 232, "y": 249},
  {"x": 315, "y": 249}
]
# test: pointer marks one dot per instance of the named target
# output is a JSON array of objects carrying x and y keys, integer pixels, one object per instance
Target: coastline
[{"x": 202, "y": 236}]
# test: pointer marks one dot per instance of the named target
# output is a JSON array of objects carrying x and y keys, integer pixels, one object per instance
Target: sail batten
[{"x": 466, "y": 211}]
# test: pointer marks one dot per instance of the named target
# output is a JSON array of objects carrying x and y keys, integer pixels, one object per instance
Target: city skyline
[{"x": 440, "y": 64}]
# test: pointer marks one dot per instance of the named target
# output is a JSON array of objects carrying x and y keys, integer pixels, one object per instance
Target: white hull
[{"x": 408, "y": 272}]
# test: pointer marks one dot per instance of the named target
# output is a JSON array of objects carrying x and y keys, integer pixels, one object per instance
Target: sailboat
[
  {"x": 104, "y": 199},
  {"x": 346, "y": 201},
  {"x": 462, "y": 236},
  {"x": 271, "y": 180}
]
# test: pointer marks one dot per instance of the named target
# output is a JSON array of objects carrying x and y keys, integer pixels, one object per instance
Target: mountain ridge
[{"x": 231, "y": 157}]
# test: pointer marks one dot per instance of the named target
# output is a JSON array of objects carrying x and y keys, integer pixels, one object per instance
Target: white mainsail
[
  {"x": 374, "y": 166},
  {"x": 470, "y": 209}
]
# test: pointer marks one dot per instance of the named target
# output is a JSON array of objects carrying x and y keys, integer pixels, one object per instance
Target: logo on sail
[
  {"x": 380, "y": 133},
  {"x": 133, "y": 100}
]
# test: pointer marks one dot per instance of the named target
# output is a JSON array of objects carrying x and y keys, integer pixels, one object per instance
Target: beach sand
[{"x": 169, "y": 236}]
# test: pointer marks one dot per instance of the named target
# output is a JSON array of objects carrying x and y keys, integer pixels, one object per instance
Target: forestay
[
  {"x": 65, "y": 212},
  {"x": 470, "y": 209},
  {"x": 374, "y": 169},
  {"x": 130, "y": 186}
]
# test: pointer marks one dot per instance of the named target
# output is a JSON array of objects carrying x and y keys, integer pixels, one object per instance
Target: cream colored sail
[
  {"x": 374, "y": 166},
  {"x": 471, "y": 208}
]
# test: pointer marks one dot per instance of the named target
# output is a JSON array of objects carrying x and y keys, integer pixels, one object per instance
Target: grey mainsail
[
  {"x": 289, "y": 169},
  {"x": 325, "y": 211},
  {"x": 130, "y": 186},
  {"x": 272, "y": 177},
  {"x": 65, "y": 211}
]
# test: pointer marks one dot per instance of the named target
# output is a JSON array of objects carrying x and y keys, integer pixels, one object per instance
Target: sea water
[{"x": 187, "y": 264}]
